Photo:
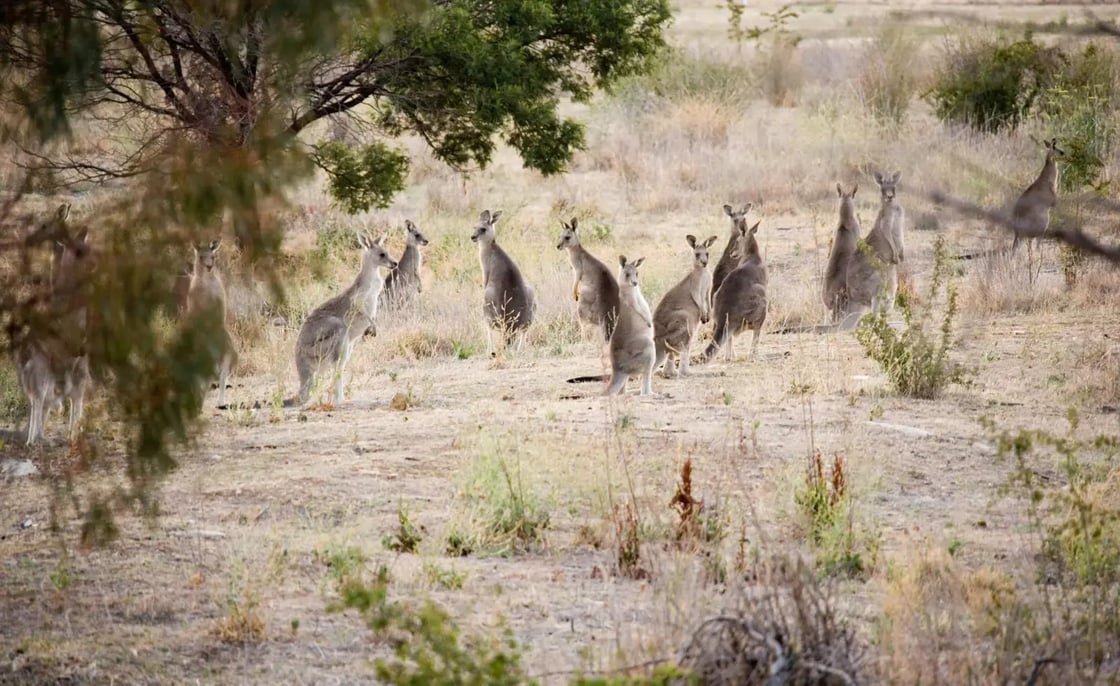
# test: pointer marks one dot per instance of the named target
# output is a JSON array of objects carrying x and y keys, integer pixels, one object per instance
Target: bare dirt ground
[{"x": 253, "y": 512}]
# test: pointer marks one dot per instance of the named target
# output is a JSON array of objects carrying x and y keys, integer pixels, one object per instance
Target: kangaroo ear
[
  {"x": 638, "y": 262},
  {"x": 897, "y": 175},
  {"x": 575, "y": 223},
  {"x": 754, "y": 229},
  {"x": 409, "y": 225},
  {"x": 380, "y": 239},
  {"x": 363, "y": 240},
  {"x": 879, "y": 178},
  {"x": 708, "y": 243},
  {"x": 484, "y": 216},
  {"x": 62, "y": 212},
  {"x": 622, "y": 260},
  {"x": 494, "y": 217},
  {"x": 747, "y": 208},
  {"x": 83, "y": 235},
  {"x": 839, "y": 191},
  {"x": 691, "y": 240},
  {"x": 214, "y": 245},
  {"x": 728, "y": 211},
  {"x": 855, "y": 187}
]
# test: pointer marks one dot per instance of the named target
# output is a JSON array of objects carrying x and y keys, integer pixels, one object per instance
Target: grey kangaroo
[
  {"x": 508, "y": 302},
  {"x": 873, "y": 272},
  {"x": 595, "y": 289},
  {"x": 632, "y": 347},
  {"x": 1030, "y": 217},
  {"x": 740, "y": 303},
  {"x": 52, "y": 366},
  {"x": 730, "y": 259},
  {"x": 328, "y": 334},
  {"x": 844, "y": 246},
  {"x": 207, "y": 294},
  {"x": 403, "y": 283},
  {"x": 682, "y": 310}
]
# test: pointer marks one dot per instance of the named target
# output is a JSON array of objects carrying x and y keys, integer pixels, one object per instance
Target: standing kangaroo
[
  {"x": 740, "y": 303},
  {"x": 403, "y": 284},
  {"x": 730, "y": 260},
  {"x": 1030, "y": 217},
  {"x": 682, "y": 310},
  {"x": 508, "y": 302},
  {"x": 595, "y": 288},
  {"x": 632, "y": 347},
  {"x": 206, "y": 297},
  {"x": 328, "y": 334},
  {"x": 873, "y": 272},
  {"x": 52, "y": 366},
  {"x": 844, "y": 247}
]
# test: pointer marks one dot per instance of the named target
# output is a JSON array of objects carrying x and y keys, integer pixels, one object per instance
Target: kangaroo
[
  {"x": 632, "y": 347},
  {"x": 403, "y": 284},
  {"x": 843, "y": 250},
  {"x": 740, "y": 303},
  {"x": 595, "y": 288},
  {"x": 682, "y": 310},
  {"x": 328, "y": 334},
  {"x": 207, "y": 293},
  {"x": 873, "y": 273},
  {"x": 730, "y": 260},
  {"x": 508, "y": 302},
  {"x": 1030, "y": 216},
  {"x": 52, "y": 366}
]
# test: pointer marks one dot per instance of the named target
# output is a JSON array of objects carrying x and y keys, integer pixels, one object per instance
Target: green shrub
[
  {"x": 1070, "y": 487},
  {"x": 13, "y": 401},
  {"x": 916, "y": 361},
  {"x": 828, "y": 519},
  {"x": 428, "y": 646},
  {"x": 407, "y": 536},
  {"x": 505, "y": 514},
  {"x": 991, "y": 84}
]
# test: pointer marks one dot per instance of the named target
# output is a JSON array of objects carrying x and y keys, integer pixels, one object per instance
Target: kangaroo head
[
  {"x": 69, "y": 254},
  {"x": 628, "y": 272},
  {"x": 484, "y": 229},
  {"x": 888, "y": 185},
  {"x": 413, "y": 235},
  {"x": 568, "y": 237},
  {"x": 374, "y": 254},
  {"x": 848, "y": 219},
  {"x": 699, "y": 250},
  {"x": 205, "y": 255},
  {"x": 738, "y": 217},
  {"x": 1052, "y": 149},
  {"x": 747, "y": 243}
]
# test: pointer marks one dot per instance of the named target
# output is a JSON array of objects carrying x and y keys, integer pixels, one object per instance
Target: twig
[
  {"x": 1073, "y": 237},
  {"x": 606, "y": 672}
]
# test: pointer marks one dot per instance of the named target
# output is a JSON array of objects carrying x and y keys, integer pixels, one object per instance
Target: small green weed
[
  {"x": 436, "y": 576},
  {"x": 407, "y": 536}
]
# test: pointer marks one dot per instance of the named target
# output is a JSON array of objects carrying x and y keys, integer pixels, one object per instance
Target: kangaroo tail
[
  {"x": 589, "y": 379},
  {"x": 719, "y": 337}
]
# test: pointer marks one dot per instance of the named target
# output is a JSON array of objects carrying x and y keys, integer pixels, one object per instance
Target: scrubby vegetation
[{"x": 826, "y": 513}]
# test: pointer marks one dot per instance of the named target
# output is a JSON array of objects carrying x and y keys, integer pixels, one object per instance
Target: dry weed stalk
[
  {"x": 687, "y": 507},
  {"x": 628, "y": 542}
]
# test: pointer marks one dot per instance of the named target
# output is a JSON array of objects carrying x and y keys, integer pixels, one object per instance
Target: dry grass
[{"x": 424, "y": 405}]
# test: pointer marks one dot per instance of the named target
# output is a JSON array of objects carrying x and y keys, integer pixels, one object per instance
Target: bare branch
[{"x": 1073, "y": 237}]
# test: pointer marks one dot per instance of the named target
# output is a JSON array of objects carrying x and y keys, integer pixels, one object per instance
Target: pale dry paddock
[{"x": 253, "y": 514}]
